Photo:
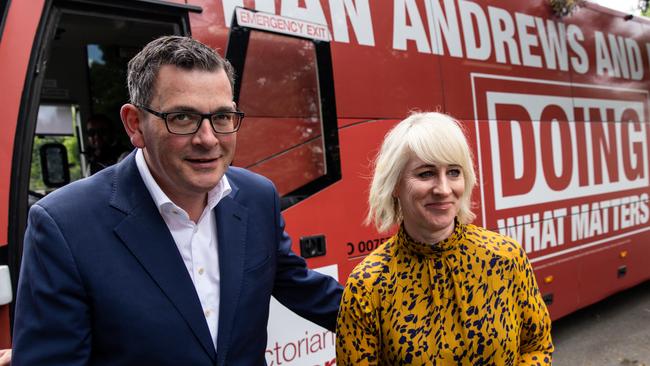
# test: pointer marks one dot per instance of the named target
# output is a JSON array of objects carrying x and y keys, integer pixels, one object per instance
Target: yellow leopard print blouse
[{"x": 471, "y": 299}]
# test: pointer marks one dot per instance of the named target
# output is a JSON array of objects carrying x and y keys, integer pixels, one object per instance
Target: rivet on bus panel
[
  {"x": 548, "y": 279},
  {"x": 622, "y": 254}
]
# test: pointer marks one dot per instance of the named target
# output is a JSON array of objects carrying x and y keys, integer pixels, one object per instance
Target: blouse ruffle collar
[{"x": 428, "y": 249}]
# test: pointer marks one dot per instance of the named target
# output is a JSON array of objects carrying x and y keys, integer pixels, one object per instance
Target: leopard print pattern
[{"x": 471, "y": 299}]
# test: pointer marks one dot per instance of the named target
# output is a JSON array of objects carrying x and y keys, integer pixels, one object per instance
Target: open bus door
[{"x": 76, "y": 68}]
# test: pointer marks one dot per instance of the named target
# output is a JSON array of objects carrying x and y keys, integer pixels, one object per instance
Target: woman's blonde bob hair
[{"x": 436, "y": 139}]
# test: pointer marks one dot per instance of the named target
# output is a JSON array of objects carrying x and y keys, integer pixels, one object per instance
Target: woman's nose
[{"x": 442, "y": 186}]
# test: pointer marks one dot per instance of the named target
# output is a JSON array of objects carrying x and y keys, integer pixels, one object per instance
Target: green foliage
[
  {"x": 563, "y": 8},
  {"x": 72, "y": 146},
  {"x": 35, "y": 178},
  {"x": 644, "y": 7}
]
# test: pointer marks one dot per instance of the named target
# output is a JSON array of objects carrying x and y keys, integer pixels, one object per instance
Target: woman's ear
[{"x": 132, "y": 122}]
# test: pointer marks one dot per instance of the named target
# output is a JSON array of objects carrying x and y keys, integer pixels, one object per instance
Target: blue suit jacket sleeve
[
  {"x": 52, "y": 322},
  {"x": 310, "y": 294}
]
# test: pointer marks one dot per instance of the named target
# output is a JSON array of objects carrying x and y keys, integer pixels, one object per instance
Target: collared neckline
[
  {"x": 431, "y": 249},
  {"x": 163, "y": 202}
]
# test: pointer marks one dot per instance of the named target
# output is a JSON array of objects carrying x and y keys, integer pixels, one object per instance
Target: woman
[{"x": 441, "y": 291}]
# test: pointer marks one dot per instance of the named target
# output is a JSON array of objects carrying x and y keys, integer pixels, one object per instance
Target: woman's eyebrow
[{"x": 426, "y": 166}]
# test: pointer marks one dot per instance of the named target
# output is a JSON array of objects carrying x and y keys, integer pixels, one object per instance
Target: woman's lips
[{"x": 440, "y": 205}]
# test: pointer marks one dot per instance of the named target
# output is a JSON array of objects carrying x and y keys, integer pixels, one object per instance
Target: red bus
[{"x": 556, "y": 110}]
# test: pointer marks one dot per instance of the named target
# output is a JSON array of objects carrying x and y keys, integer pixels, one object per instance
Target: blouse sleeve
[
  {"x": 536, "y": 346},
  {"x": 357, "y": 333}
]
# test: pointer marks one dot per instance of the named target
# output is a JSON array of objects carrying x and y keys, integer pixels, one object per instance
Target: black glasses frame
[{"x": 163, "y": 116}]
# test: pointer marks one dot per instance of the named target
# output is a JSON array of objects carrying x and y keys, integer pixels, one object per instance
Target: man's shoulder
[
  {"x": 244, "y": 178},
  {"x": 86, "y": 192}
]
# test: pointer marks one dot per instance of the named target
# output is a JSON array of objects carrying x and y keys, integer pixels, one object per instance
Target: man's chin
[{"x": 207, "y": 183}]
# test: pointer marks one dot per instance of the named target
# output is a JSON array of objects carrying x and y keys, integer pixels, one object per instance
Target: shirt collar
[{"x": 221, "y": 190}]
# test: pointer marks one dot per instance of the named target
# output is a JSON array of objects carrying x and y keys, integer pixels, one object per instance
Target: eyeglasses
[{"x": 187, "y": 123}]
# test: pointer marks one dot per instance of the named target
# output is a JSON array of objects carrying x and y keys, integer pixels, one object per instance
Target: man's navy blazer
[{"x": 102, "y": 282}]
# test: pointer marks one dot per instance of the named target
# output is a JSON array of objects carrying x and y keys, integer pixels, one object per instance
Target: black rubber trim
[
  {"x": 23, "y": 140},
  {"x": 4, "y": 10},
  {"x": 4, "y": 255}
]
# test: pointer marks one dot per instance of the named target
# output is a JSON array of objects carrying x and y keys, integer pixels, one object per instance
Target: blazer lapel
[
  {"x": 232, "y": 219},
  {"x": 147, "y": 237}
]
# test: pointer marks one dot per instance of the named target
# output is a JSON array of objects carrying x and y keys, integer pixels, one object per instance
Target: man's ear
[{"x": 132, "y": 122}]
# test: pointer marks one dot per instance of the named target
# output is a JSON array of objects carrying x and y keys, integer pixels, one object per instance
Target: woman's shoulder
[
  {"x": 493, "y": 243},
  {"x": 375, "y": 264},
  {"x": 370, "y": 276}
]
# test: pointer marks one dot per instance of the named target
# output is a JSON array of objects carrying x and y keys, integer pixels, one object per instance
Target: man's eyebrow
[
  {"x": 185, "y": 108},
  {"x": 224, "y": 109}
]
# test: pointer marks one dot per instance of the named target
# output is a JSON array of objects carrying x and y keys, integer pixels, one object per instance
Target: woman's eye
[
  {"x": 425, "y": 174},
  {"x": 454, "y": 172}
]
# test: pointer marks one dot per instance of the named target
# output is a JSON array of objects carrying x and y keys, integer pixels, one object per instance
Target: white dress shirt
[{"x": 196, "y": 243}]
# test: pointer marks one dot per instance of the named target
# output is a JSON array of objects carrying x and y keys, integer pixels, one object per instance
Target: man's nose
[{"x": 205, "y": 135}]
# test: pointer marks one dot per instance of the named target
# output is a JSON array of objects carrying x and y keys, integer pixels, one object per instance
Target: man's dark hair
[{"x": 182, "y": 52}]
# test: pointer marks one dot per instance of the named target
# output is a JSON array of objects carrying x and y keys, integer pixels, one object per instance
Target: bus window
[
  {"x": 281, "y": 137},
  {"x": 284, "y": 85}
]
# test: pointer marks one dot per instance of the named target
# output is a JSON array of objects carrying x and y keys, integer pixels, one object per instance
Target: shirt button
[
  {"x": 201, "y": 270},
  {"x": 207, "y": 313}
]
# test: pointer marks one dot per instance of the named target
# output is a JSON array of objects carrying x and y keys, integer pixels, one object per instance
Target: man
[
  {"x": 171, "y": 256},
  {"x": 103, "y": 149}
]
